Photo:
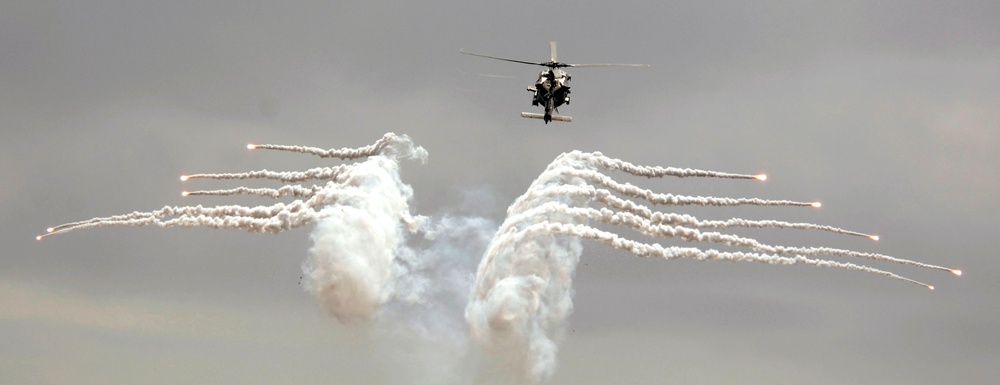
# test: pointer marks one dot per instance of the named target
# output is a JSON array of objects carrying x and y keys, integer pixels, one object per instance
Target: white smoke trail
[
  {"x": 341, "y": 186},
  {"x": 361, "y": 267},
  {"x": 361, "y": 214},
  {"x": 389, "y": 145},
  {"x": 296, "y": 213},
  {"x": 632, "y": 191},
  {"x": 292, "y": 190},
  {"x": 523, "y": 291},
  {"x": 597, "y": 159},
  {"x": 284, "y": 176},
  {"x": 646, "y": 250},
  {"x": 647, "y": 227},
  {"x": 151, "y": 217},
  {"x": 607, "y": 198}
]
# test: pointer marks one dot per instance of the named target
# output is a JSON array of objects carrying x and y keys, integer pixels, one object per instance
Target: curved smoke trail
[
  {"x": 361, "y": 214},
  {"x": 522, "y": 295},
  {"x": 516, "y": 306}
]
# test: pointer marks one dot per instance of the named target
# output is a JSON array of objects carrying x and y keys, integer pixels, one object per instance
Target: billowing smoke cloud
[
  {"x": 421, "y": 330},
  {"x": 409, "y": 277},
  {"x": 356, "y": 240}
]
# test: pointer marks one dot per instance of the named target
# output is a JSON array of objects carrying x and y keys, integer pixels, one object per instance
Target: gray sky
[{"x": 887, "y": 113}]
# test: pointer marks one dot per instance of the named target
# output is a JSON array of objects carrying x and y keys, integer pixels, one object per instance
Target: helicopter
[{"x": 552, "y": 89}]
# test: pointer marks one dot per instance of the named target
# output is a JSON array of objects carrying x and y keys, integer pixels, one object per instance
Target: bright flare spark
[
  {"x": 956, "y": 272},
  {"x": 874, "y": 237},
  {"x": 816, "y": 204},
  {"x": 760, "y": 177},
  {"x": 184, "y": 178},
  {"x": 251, "y": 146}
]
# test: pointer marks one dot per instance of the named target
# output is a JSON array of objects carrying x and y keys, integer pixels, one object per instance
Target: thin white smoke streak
[
  {"x": 680, "y": 219},
  {"x": 290, "y": 190},
  {"x": 166, "y": 211},
  {"x": 319, "y": 173},
  {"x": 647, "y": 227},
  {"x": 645, "y": 250},
  {"x": 121, "y": 217},
  {"x": 286, "y": 211},
  {"x": 607, "y": 198},
  {"x": 633, "y": 191},
  {"x": 613, "y": 164},
  {"x": 391, "y": 144},
  {"x": 563, "y": 167},
  {"x": 383, "y": 146},
  {"x": 156, "y": 217},
  {"x": 553, "y": 174},
  {"x": 282, "y": 221}
]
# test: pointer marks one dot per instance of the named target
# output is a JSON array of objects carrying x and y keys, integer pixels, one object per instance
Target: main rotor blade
[
  {"x": 606, "y": 65},
  {"x": 552, "y": 52},
  {"x": 503, "y": 58}
]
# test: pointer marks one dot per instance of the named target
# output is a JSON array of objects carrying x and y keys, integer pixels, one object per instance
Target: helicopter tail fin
[{"x": 560, "y": 118}]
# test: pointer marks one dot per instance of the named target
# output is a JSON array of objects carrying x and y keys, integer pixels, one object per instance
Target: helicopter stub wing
[{"x": 559, "y": 118}]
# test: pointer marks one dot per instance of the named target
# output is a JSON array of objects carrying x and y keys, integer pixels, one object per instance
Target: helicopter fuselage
[{"x": 551, "y": 90}]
